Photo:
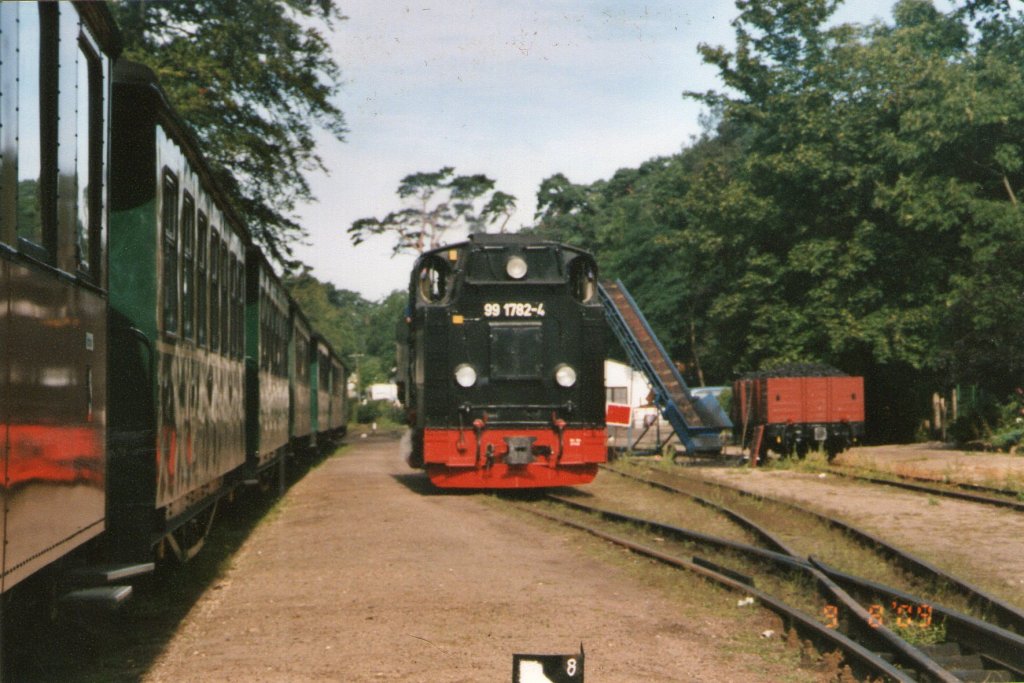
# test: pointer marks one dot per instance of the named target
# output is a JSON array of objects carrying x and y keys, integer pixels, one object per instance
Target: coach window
[
  {"x": 188, "y": 294},
  {"x": 265, "y": 338},
  {"x": 8, "y": 119},
  {"x": 302, "y": 358},
  {"x": 282, "y": 344},
  {"x": 65, "y": 129},
  {"x": 89, "y": 161},
  {"x": 235, "y": 325},
  {"x": 225, "y": 305},
  {"x": 169, "y": 224},
  {"x": 36, "y": 134},
  {"x": 214, "y": 291},
  {"x": 202, "y": 224},
  {"x": 240, "y": 308}
]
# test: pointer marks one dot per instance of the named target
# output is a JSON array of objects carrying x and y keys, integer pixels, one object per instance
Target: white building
[
  {"x": 382, "y": 392},
  {"x": 625, "y": 386}
]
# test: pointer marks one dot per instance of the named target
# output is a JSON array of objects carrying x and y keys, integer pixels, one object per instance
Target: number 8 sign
[{"x": 548, "y": 668}]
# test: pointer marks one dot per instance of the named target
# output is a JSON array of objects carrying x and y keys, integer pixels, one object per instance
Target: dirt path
[{"x": 365, "y": 574}]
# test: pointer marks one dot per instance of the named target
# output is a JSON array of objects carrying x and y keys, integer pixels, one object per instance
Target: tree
[
  {"x": 874, "y": 205},
  {"x": 854, "y": 201},
  {"x": 254, "y": 79},
  {"x": 360, "y": 331},
  {"x": 438, "y": 202}
]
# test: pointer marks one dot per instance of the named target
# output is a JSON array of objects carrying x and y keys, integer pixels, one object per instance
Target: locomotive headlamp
[
  {"x": 565, "y": 375},
  {"x": 516, "y": 268},
  {"x": 465, "y": 375}
]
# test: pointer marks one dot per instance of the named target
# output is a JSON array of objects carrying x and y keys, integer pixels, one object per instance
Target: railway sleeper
[{"x": 966, "y": 667}]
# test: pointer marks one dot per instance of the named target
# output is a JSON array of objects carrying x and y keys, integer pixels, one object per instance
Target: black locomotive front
[{"x": 501, "y": 358}]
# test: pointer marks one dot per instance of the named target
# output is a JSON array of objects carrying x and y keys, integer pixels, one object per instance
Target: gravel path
[{"x": 365, "y": 573}]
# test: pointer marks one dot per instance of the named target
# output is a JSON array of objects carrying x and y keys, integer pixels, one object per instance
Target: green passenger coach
[
  {"x": 266, "y": 385},
  {"x": 300, "y": 354},
  {"x": 151, "y": 361},
  {"x": 177, "y": 272}
]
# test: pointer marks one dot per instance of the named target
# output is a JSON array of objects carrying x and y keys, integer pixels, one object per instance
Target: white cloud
[{"x": 515, "y": 90}]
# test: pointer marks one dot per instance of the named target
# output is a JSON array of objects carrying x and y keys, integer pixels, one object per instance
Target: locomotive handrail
[{"x": 698, "y": 432}]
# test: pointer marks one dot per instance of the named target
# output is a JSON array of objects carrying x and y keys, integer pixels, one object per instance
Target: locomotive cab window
[
  {"x": 434, "y": 280},
  {"x": 583, "y": 279}
]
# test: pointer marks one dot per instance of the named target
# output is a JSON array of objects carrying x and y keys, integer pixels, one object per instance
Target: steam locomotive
[{"x": 501, "y": 364}]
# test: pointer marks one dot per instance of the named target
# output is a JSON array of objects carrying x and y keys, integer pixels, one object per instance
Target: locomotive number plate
[{"x": 514, "y": 310}]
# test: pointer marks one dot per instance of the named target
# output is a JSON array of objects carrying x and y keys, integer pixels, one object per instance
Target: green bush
[
  {"x": 378, "y": 411},
  {"x": 985, "y": 421}
]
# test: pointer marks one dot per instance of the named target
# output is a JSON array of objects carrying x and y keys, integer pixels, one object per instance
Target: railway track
[
  {"x": 847, "y": 611},
  {"x": 984, "y": 495},
  {"x": 991, "y": 607}
]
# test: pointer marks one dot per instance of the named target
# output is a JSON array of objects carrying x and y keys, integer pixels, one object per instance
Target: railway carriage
[
  {"x": 177, "y": 257},
  {"x": 338, "y": 420},
  {"x": 501, "y": 364},
  {"x": 320, "y": 387},
  {"x": 150, "y": 360},
  {"x": 54, "y": 86},
  {"x": 300, "y": 350},
  {"x": 792, "y": 412},
  {"x": 330, "y": 391},
  {"x": 267, "y": 384}
]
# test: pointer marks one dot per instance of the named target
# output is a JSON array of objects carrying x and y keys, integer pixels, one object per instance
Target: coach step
[
  {"x": 95, "y": 599},
  {"x": 105, "y": 575}
]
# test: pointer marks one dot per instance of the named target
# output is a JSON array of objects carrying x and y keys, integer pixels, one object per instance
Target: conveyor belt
[{"x": 696, "y": 426}]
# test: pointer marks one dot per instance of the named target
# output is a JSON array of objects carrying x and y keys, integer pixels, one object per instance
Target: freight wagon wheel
[
  {"x": 801, "y": 449},
  {"x": 187, "y": 540},
  {"x": 762, "y": 453},
  {"x": 838, "y": 440}
]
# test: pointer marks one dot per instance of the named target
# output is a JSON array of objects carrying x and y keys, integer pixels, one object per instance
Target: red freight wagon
[{"x": 791, "y": 414}]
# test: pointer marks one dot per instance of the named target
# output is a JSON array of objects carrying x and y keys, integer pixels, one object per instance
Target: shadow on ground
[{"x": 42, "y": 646}]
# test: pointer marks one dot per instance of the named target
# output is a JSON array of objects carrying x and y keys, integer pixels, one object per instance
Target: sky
[{"x": 517, "y": 91}]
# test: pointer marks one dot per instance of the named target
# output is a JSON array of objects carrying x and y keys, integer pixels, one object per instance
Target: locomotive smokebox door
[{"x": 520, "y": 450}]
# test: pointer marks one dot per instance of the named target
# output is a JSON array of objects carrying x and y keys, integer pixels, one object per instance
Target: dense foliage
[
  {"x": 361, "y": 331},
  {"x": 853, "y": 201},
  {"x": 254, "y": 79}
]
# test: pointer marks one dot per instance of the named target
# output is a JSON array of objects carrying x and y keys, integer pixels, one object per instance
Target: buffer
[{"x": 698, "y": 423}]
